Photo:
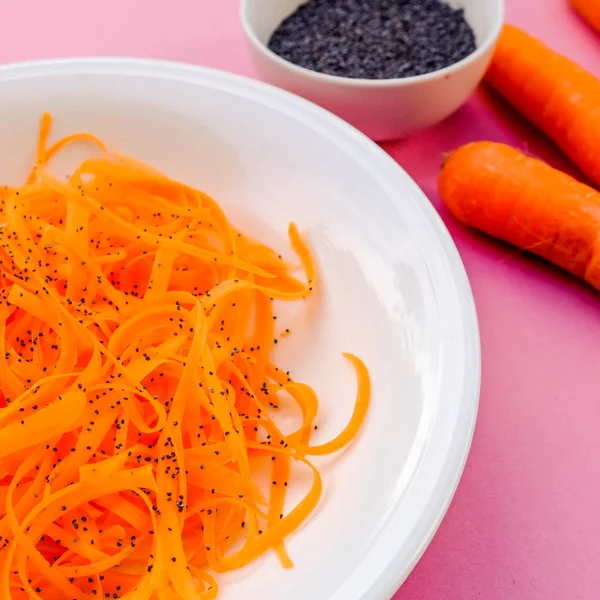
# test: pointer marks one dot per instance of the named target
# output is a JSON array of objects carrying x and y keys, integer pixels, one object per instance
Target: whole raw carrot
[
  {"x": 589, "y": 10},
  {"x": 526, "y": 202},
  {"x": 553, "y": 92}
]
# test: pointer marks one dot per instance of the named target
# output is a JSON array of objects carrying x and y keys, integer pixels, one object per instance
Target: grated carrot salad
[{"x": 138, "y": 398}]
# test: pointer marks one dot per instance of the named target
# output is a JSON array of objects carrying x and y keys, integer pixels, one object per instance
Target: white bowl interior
[
  {"x": 483, "y": 16},
  {"x": 264, "y": 16},
  {"x": 394, "y": 292}
]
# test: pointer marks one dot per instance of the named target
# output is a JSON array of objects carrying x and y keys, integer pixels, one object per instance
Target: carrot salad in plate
[{"x": 138, "y": 397}]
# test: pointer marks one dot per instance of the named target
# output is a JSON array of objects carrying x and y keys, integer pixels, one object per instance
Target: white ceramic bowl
[
  {"x": 383, "y": 109},
  {"x": 394, "y": 291}
]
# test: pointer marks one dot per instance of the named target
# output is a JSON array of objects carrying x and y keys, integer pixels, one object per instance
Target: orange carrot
[
  {"x": 526, "y": 202},
  {"x": 553, "y": 92},
  {"x": 138, "y": 394},
  {"x": 589, "y": 10}
]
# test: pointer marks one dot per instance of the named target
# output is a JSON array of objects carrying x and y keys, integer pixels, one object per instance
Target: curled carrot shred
[{"x": 138, "y": 394}]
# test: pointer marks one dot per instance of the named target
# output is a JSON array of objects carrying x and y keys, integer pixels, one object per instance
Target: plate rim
[{"x": 392, "y": 568}]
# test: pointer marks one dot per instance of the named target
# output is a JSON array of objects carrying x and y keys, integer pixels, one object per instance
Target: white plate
[{"x": 395, "y": 292}]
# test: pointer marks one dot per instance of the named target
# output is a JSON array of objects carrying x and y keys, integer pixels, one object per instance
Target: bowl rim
[
  {"x": 360, "y": 82},
  {"x": 388, "y": 563}
]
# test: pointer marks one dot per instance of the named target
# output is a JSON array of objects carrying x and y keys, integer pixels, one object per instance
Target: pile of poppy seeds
[{"x": 374, "y": 39}]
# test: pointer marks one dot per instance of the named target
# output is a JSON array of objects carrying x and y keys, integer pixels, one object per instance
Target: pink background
[{"x": 525, "y": 522}]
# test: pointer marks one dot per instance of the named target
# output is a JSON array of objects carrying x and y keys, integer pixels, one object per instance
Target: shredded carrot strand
[{"x": 138, "y": 394}]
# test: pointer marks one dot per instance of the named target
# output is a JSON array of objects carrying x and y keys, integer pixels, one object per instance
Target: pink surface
[{"x": 525, "y": 522}]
